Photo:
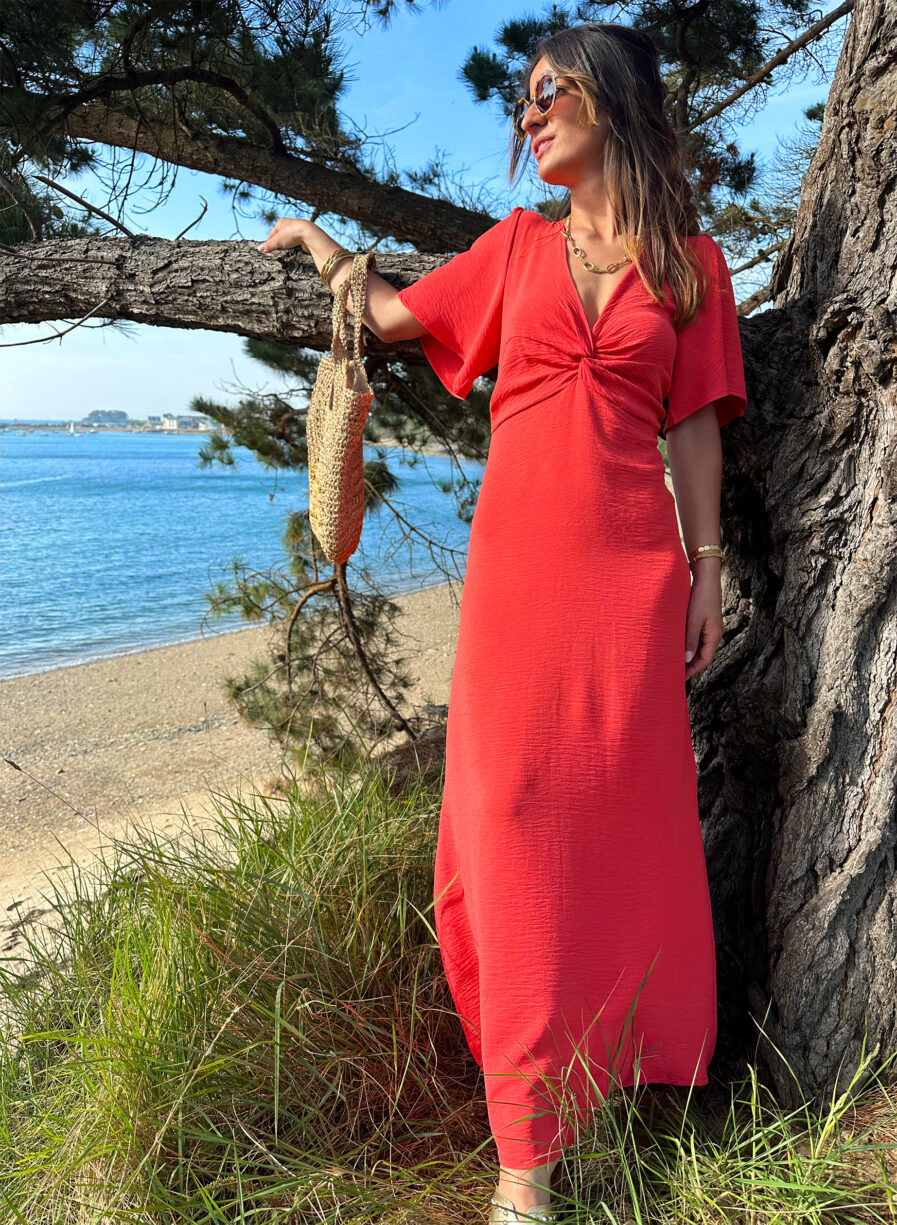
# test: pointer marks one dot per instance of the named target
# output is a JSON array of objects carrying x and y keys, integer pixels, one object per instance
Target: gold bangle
[
  {"x": 706, "y": 550},
  {"x": 329, "y": 264},
  {"x": 330, "y": 261}
]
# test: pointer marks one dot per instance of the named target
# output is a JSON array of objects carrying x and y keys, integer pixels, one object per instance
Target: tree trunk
[{"x": 801, "y": 704}]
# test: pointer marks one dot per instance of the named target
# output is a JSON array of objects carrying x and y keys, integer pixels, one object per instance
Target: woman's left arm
[{"x": 695, "y": 455}]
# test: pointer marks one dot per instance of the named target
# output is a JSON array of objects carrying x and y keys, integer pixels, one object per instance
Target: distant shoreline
[
  {"x": 48, "y": 427},
  {"x": 63, "y": 427}
]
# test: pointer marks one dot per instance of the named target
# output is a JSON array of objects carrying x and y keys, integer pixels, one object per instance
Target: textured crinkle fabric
[{"x": 571, "y": 895}]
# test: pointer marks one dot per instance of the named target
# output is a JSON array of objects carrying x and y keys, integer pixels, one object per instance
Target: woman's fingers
[
  {"x": 279, "y": 238},
  {"x": 708, "y": 639},
  {"x": 274, "y": 241}
]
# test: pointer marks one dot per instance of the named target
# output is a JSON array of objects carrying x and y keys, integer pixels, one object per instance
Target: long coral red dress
[{"x": 571, "y": 894}]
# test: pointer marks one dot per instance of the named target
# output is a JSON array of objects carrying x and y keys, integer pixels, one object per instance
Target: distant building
[{"x": 178, "y": 422}]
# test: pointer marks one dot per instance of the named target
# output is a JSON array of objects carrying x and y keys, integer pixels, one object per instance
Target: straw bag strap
[{"x": 357, "y": 282}]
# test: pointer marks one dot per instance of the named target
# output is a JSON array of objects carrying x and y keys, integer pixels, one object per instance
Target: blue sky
[{"x": 404, "y": 92}]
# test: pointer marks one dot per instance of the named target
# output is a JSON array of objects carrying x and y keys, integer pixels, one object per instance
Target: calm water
[{"x": 108, "y": 542}]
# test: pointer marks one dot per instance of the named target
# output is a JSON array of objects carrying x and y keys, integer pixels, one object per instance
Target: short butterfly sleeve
[
  {"x": 708, "y": 365},
  {"x": 460, "y": 305}
]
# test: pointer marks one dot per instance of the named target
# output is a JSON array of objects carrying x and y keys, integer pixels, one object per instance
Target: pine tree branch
[
  {"x": 220, "y": 286},
  {"x": 326, "y": 585},
  {"x": 106, "y": 86},
  {"x": 91, "y": 208},
  {"x": 808, "y": 36},
  {"x": 431, "y": 224},
  {"x": 763, "y": 254},
  {"x": 17, "y": 196},
  {"x": 41, "y": 340},
  {"x": 400, "y": 723}
]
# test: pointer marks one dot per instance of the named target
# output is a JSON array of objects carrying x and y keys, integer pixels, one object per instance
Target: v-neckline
[{"x": 575, "y": 289}]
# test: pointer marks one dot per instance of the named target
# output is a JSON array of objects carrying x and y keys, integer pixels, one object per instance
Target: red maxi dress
[{"x": 571, "y": 895}]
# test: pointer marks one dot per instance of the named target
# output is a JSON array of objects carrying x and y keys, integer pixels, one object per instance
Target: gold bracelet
[
  {"x": 330, "y": 261},
  {"x": 706, "y": 550}
]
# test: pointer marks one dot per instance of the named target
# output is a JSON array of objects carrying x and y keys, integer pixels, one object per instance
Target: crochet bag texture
[{"x": 337, "y": 410}]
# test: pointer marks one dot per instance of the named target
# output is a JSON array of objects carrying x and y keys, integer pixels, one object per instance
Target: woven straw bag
[{"x": 338, "y": 408}]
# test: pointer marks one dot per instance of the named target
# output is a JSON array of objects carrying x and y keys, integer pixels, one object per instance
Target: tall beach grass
[{"x": 250, "y": 1023}]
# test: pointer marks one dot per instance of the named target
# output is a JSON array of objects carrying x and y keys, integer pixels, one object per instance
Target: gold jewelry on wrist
[
  {"x": 333, "y": 258},
  {"x": 706, "y": 550}
]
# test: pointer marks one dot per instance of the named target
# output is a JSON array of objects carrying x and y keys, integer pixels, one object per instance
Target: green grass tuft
[{"x": 251, "y": 1024}]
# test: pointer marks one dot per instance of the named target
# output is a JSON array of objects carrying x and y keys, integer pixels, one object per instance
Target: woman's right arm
[{"x": 383, "y": 313}]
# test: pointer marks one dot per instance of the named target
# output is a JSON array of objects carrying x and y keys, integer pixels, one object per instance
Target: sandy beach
[{"x": 140, "y": 739}]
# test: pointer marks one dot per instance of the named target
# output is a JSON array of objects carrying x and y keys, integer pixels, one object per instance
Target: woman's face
[{"x": 572, "y": 150}]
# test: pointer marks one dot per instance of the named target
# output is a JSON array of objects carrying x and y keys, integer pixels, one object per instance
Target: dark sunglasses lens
[
  {"x": 545, "y": 94},
  {"x": 544, "y": 99}
]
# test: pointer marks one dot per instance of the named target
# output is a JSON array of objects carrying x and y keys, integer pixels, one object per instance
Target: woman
[{"x": 572, "y": 902}]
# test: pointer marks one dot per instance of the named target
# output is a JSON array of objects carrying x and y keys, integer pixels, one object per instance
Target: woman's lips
[{"x": 542, "y": 146}]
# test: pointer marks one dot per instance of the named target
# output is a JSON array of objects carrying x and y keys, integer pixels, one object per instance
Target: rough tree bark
[
  {"x": 179, "y": 284},
  {"x": 796, "y": 722}
]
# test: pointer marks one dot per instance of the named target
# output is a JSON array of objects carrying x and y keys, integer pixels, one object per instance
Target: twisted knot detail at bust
[{"x": 535, "y": 372}]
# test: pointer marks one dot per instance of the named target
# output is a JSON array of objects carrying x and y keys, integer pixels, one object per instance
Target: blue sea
[{"x": 108, "y": 541}]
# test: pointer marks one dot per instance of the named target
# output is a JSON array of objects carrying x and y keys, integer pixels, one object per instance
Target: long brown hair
[{"x": 615, "y": 68}]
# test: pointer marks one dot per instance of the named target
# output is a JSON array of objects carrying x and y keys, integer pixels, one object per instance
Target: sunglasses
[{"x": 544, "y": 96}]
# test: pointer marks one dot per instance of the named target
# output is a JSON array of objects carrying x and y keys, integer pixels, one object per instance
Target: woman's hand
[
  {"x": 285, "y": 233},
  {"x": 704, "y": 619},
  {"x": 383, "y": 313}
]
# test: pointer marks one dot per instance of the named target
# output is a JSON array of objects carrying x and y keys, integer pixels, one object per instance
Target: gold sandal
[{"x": 505, "y": 1213}]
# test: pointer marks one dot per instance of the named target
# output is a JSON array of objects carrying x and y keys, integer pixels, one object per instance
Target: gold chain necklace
[{"x": 587, "y": 263}]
